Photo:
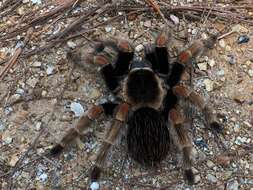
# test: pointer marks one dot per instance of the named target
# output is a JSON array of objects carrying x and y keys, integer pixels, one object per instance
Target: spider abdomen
[{"x": 147, "y": 136}]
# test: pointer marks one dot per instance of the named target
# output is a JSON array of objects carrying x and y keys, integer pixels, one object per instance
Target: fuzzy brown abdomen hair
[{"x": 147, "y": 136}]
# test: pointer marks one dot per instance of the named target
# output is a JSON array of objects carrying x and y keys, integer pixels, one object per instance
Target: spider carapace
[{"x": 149, "y": 107}]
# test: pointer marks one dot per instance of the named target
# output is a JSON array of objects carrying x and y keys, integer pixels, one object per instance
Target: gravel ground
[{"x": 43, "y": 95}]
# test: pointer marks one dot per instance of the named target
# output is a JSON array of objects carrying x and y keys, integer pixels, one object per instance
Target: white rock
[
  {"x": 43, "y": 177},
  {"x": 20, "y": 91},
  {"x": 77, "y": 108},
  {"x": 222, "y": 43},
  {"x": 38, "y": 126},
  {"x": 208, "y": 84},
  {"x": 233, "y": 185},
  {"x": 139, "y": 48},
  {"x": 211, "y": 62},
  {"x": 94, "y": 186},
  {"x": 175, "y": 19},
  {"x": 211, "y": 178},
  {"x": 108, "y": 29},
  {"x": 250, "y": 72},
  {"x": 204, "y": 36},
  {"x": 197, "y": 178},
  {"x": 43, "y": 93},
  {"x": 202, "y": 66},
  {"x": 7, "y": 140},
  {"x": 38, "y": 2},
  {"x": 210, "y": 164},
  {"x": 194, "y": 31},
  {"x": 50, "y": 69},
  {"x": 147, "y": 23},
  {"x": 221, "y": 72},
  {"x": 71, "y": 44},
  {"x": 36, "y": 64}
]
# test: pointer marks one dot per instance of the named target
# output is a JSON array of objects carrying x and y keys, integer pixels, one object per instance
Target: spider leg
[
  {"x": 158, "y": 55},
  {"x": 183, "y": 63},
  {"x": 182, "y": 141},
  {"x": 113, "y": 69},
  {"x": 110, "y": 137},
  {"x": 82, "y": 124},
  {"x": 198, "y": 100}
]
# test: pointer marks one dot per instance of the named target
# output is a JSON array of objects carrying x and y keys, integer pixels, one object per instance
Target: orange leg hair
[
  {"x": 197, "y": 100},
  {"x": 182, "y": 141},
  {"x": 82, "y": 124},
  {"x": 110, "y": 137}
]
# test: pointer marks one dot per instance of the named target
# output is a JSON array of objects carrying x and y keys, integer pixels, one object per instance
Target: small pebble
[
  {"x": 194, "y": 31},
  {"x": 197, "y": 178},
  {"x": 211, "y": 178},
  {"x": 71, "y": 44},
  {"x": 43, "y": 93},
  {"x": 147, "y": 23},
  {"x": 2, "y": 126},
  {"x": 208, "y": 84},
  {"x": 243, "y": 39},
  {"x": 108, "y": 29},
  {"x": 202, "y": 66},
  {"x": 221, "y": 72},
  {"x": 210, "y": 164},
  {"x": 43, "y": 177},
  {"x": 38, "y": 126},
  {"x": 250, "y": 72},
  {"x": 8, "y": 110},
  {"x": 77, "y": 108},
  {"x": 36, "y": 64},
  {"x": 175, "y": 19},
  {"x": 37, "y": 2},
  {"x": 211, "y": 62},
  {"x": 201, "y": 143},
  {"x": 139, "y": 48},
  {"x": 94, "y": 186},
  {"x": 20, "y": 91},
  {"x": 7, "y": 140},
  {"x": 233, "y": 185},
  {"x": 237, "y": 127},
  {"x": 231, "y": 59},
  {"x": 222, "y": 43},
  {"x": 50, "y": 69}
]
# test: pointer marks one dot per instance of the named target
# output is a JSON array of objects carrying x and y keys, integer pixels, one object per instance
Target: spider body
[{"x": 151, "y": 91}]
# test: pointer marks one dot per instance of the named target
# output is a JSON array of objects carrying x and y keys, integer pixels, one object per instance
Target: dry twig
[{"x": 17, "y": 53}]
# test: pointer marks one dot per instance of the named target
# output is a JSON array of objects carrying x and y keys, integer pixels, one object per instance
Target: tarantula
[{"x": 151, "y": 90}]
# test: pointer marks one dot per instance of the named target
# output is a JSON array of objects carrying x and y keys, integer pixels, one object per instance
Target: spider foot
[
  {"x": 95, "y": 173},
  {"x": 56, "y": 150},
  {"x": 189, "y": 176},
  {"x": 217, "y": 127}
]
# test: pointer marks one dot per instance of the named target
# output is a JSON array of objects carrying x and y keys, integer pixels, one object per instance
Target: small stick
[
  {"x": 157, "y": 9},
  {"x": 17, "y": 53}
]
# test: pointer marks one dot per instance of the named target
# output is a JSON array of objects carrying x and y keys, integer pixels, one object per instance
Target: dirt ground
[{"x": 40, "y": 92}]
